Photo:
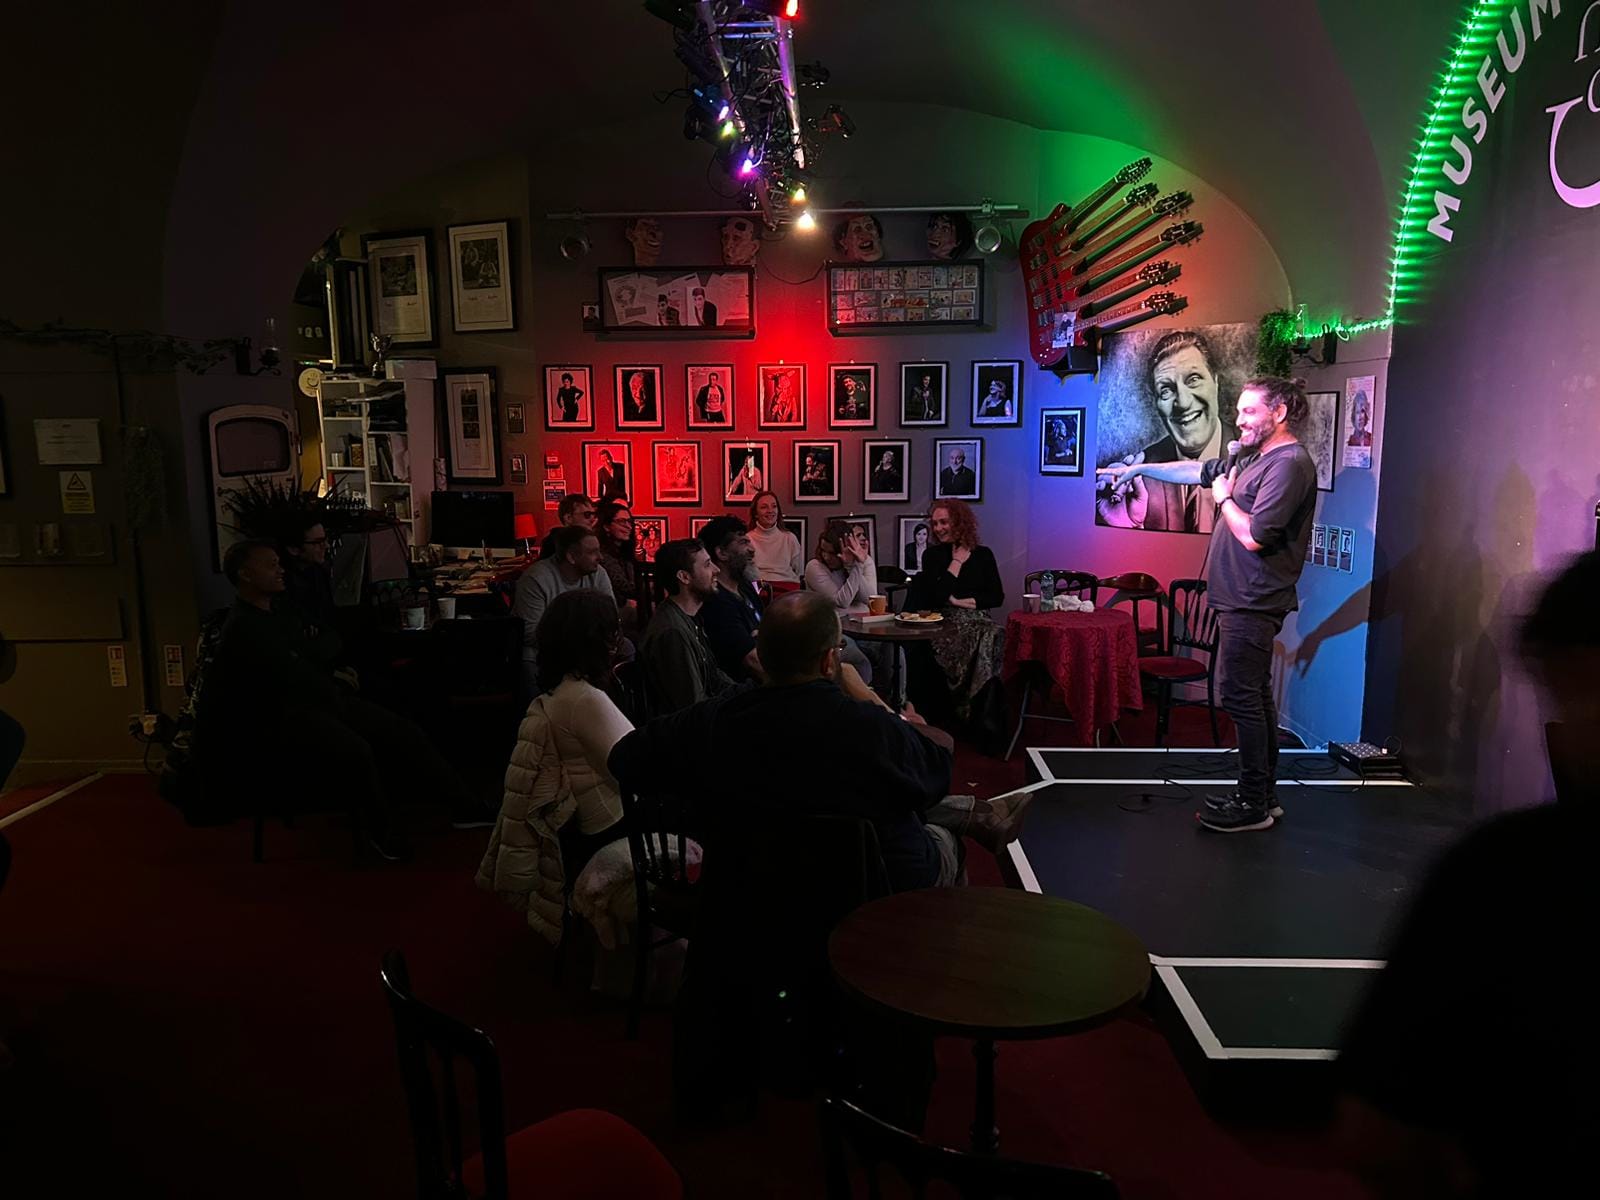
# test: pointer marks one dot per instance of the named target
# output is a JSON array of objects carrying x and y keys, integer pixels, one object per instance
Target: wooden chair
[
  {"x": 631, "y": 691},
  {"x": 1190, "y": 625},
  {"x": 665, "y": 894},
  {"x": 1068, "y": 583},
  {"x": 582, "y": 1149},
  {"x": 877, "y": 1145},
  {"x": 1138, "y": 588}
]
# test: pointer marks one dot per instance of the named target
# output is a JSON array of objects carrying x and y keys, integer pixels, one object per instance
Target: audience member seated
[
  {"x": 268, "y": 699},
  {"x": 816, "y": 739},
  {"x": 561, "y": 803},
  {"x": 619, "y": 560},
  {"x": 1463, "y": 1071},
  {"x": 572, "y": 564},
  {"x": 778, "y": 556},
  {"x": 843, "y": 572},
  {"x": 679, "y": 668},
  {"x": 575, "y": 511},
  {"x": 960, "y": 580},
  {"x": 731, "y": 614},
  {"x": 308, "y": 591}
]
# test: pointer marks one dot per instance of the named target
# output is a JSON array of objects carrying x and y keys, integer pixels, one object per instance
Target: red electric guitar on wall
[{"x": 1037, "y": 235}]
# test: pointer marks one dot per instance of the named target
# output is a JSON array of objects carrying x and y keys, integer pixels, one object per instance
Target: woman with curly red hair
[{"x": 960, "y": 579}]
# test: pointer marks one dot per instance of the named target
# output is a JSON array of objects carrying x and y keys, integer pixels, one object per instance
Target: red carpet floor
[{"x": 188, "y": 1024}]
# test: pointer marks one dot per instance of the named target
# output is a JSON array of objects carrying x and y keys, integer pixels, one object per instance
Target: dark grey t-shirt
[{"x": 1279, "y": 491}]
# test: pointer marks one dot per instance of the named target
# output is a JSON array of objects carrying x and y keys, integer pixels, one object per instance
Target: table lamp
[{"x": 526, "y": 529}]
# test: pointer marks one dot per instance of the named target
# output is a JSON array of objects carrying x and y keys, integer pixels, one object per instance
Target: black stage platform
[{"x": 1262, "y": 942}]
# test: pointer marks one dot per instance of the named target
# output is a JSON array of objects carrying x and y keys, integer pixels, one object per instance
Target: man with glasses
[{"x": 308, "y": 592}]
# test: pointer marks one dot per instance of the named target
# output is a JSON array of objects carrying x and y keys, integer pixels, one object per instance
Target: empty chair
[
  {"x": 1190, "y": 625},
  {"x": 1139, "y": 588},
  {"x": 580, "y": 1151}
]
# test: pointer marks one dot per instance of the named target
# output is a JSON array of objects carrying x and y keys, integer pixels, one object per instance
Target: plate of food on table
[{"x": 925, "y": 617}]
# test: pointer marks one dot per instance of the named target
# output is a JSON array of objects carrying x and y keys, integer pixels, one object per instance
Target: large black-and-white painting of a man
[{"x": 1168, "y": 395}]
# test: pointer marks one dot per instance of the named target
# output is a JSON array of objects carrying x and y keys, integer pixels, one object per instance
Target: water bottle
[{"x": 1047, "y": 592}]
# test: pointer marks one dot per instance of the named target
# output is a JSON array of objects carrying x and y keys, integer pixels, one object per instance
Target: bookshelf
[{"x": 367, "y": 446}]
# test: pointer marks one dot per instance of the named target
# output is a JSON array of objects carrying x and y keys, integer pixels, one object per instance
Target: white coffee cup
[
  {"x": 1030, "y": 602},
  {"x": 414, "y": 618},
  {"x": 447, "y": 608}
]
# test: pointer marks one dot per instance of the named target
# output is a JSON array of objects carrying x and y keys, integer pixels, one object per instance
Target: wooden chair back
[
  {"x": 431, "y": 1046},
  {"x": 1081, "y": 584},
  {"x": 878, "y": 1146},
  {"x": 1191, "y": 622}
]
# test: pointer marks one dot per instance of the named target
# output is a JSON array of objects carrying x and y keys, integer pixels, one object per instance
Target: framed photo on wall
[
  {"x": 1061, "y": 441},
  {"x": 816, "y": 471},
  {"x": 916, "y": 535},
  {"x": 863, "y": 523},
  {"x": 781, "y": 396},
  {"x": 797, "y": 526},
  {"x": 885, "y": 469},
  {"x": 519, "y": 468},
  {"x": 924, "y": 394},
  {"x": 649, "y": 535},
  {"x": 1320, "y": 435},
  {"x": 997, "y": 392},
  {"x": 608, "y": 471},
  {"x": 852, "y": 395},
  {"x": 400, "y": 278},
  {"x": 696, "y": 524},
  {"x": 638, "y": 390},
  {"x": 708, "y": 389},
  {"x": 958, "y": 468},
  {"x": 870, "y": 296},
  {"x": 746, "y": 467},
  {"x": 676, "y": 472},
  {"x": 691, "y": 302},
  {"x": 480, "y": 277},
  {"x": 516, "y": 419},
  {"x": 472, "y": 417},
  {"x": 568, "y": 397}
]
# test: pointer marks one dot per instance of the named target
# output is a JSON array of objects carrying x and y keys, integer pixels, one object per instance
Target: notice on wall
[
  {"x": 77, "y": 493},
  {"x": 172, "y": 663},
  {"x": 117, "y": 665},
  {"x": 71, "y": 441}
]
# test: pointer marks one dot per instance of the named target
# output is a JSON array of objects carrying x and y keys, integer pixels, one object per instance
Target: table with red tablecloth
[{"x": 1092, "y": 659}]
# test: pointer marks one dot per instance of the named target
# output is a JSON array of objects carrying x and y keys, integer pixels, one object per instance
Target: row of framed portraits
[
  {"x": 710, "y": 400},
  {"x": 912, "y": 535},
  {"x": 401, "y": 281},
  {"x": 746, "y": 468}
]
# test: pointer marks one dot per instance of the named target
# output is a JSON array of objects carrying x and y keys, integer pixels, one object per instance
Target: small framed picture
[
  {"x": 885, "y": 469},
  {"x": 639, "y": 397},
  {"x": 797, "y": 526},
  {"x": 924, "y": 394},
  {"x": 649, "y": 535},
  {"x": 863, "y": 523},
  {"x": 400, "y": 274},
  {"x": 677, "y": 472},
  {"x": 696, "y": 524},
  {"x": 1061, "y": 441},
  {"x": 519, "y": 468},
  {"x": 568, "y": 398},
  {"x": 997, "y": 392},
  {"x": 781, "y": 396},
  {"x": 608, "y": 471},
  {"x": 958, "y": 467},
  {"x": 1319, "y": 434},
  {"x": 472, "y": 420},
  {"x": 916, "y": 535},
  {"x": 816, "y": 471},
  {"x": 852, "y": 395},
  {"x": 516, "y": 422},
  {"x": 745, "y": 470},
  {"x": 708, "y": 388},
  {"x": 480, "y": 277}
]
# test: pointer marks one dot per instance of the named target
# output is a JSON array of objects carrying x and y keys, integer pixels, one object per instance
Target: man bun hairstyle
[{"x": 1282, "y": 391}]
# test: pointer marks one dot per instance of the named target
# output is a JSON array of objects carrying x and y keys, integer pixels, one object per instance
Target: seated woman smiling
[{"x": 961, "y": 581}]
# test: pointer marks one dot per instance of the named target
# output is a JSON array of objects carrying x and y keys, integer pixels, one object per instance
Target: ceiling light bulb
[
  {"x": 728, "y": 129},
  {"x": 805, "y": 222},
  {"x": 799, "y": 193},
  {"x": 749, "y": 165},
  {"x": 792, "y": 9}
]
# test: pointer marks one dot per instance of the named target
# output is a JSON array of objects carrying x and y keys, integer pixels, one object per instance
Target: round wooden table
[
  {"x": 991, "y": 964},
  {"x": 897, "y": 633}
]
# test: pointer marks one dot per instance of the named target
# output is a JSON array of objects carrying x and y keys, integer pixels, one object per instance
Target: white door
[{"x": 249, "y": 441}]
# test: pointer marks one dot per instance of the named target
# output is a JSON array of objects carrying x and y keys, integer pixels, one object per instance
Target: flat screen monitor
[{"x": 474, "y": 519}]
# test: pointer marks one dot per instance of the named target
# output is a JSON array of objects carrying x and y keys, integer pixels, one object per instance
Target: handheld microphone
[{"x": 1233, "y": 456}]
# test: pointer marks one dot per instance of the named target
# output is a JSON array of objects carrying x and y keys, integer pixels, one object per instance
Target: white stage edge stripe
[
  {"x": 1038, "y": 763},
  {"x": 1190, "y": 1011},
  {"x": 60, "y": 794},
  {"x": 1287, "y": 1053},
  {"x": 1163, "y": 750},
  {"x": 1216, "y": 781},
  {"x": 1019, "y": 860},
  {"x": 1330, "y": 964}
]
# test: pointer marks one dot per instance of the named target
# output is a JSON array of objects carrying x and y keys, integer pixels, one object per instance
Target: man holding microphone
[{"x": 1266, "y": 494}]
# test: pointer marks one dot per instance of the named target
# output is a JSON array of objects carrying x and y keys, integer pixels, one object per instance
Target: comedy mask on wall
[
  {"x": 949, "y": 235},
  {"x": 859, "y": 238},
  {"x": 741, "y": 241},
  {"x": 644, "y": 234}
]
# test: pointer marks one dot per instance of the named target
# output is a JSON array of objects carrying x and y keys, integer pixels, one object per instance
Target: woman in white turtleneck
[{"x": 778, "y": 557}]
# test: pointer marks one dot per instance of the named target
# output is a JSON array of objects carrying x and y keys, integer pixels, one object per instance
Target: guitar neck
[
  {"x": 1116, "y": 293},
  {"x": 1134, "y": 256}
]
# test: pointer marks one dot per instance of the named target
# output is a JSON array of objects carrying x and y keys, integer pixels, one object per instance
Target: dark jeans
[{"x": 1244, "y": 660}]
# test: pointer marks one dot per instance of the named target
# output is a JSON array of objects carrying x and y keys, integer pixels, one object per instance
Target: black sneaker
[{"x": 1230, "y": 814}]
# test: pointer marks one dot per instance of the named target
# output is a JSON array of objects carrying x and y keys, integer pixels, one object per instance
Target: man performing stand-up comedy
[{"x": 1266, "y": 494}]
